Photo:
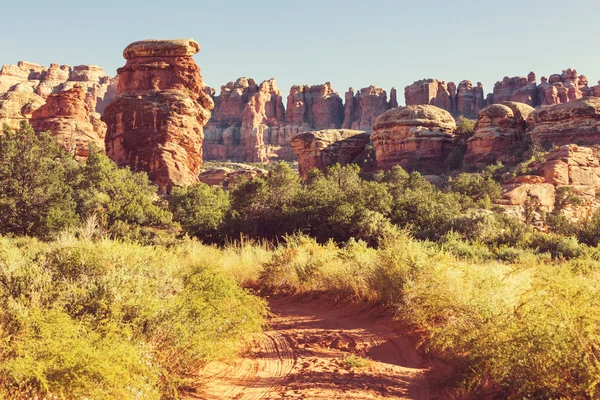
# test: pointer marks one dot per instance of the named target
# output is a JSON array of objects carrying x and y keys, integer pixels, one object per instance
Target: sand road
[{"x": 302, "y": 356}]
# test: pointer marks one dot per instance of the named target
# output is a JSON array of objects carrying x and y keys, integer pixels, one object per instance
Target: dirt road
[{"x": 313, "y": 351}]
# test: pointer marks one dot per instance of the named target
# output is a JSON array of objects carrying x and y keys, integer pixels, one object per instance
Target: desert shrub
[
  {"x": 200, "y": 209},
  {"x": 113, "y": 320},
  {"x": 588, "y": 231},
  {"x": 399, "y": 260},
  {"x": 337, "y": 204},
  {"x": 114, "y": 194},
  {"x": 454, "y": 243},
  {"x": 418, "y": 205},
  {"x": 34, "y": 196},
  {"x": 529, "y": 330},
  {"x": 556, "y": 245},
  {"x": 478, "y": 188},
  {"x": 465, "y": 126},
  {"x": 264, "y": 207}
]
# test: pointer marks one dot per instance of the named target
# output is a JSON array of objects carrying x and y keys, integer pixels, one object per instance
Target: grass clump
[{"x": 351, "y": 361}]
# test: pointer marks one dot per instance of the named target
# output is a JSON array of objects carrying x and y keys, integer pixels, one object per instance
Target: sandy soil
[{"x": 301, "y": 356}]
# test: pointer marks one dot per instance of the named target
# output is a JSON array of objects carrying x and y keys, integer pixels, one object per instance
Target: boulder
[
  {"x": 155, "y": 124},
  {"x": 416, "y": 137},
  {"x": 67, "y": 117},
  {"x": 319, "y": 149},
  {"x": 498, "y": 127}
]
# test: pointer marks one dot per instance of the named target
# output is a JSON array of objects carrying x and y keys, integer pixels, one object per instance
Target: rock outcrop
[
  {"x": 430, "y": 91},
  {"x": 319, "y": 149},
  {"x": 66, "y": 115},
  {"x": 248, "y": 123},
  {"x": 499, "y": 126},
  {"x": 251, "y": 123},
  {"x": 361, "y": 110},
  {"x": 576, "y": 122},
  {"x": 18, "y": 105},
  {"x": 416, "y": 137},
  {"x": 155, "y": 124},
  {"x": 570, "y": 167},
  {"x": 27, "y": 77},
  {"x": 464, "y": 100},
  {"x": 517, "y": 89},
  {"x": 223, "y": 176}
]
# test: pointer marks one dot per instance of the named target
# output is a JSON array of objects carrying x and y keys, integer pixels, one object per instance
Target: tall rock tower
[{"x": 155, "y": 124}]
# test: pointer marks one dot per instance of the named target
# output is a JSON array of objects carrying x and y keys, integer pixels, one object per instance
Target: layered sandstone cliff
[
  {"x": 155, "y": 124},
  {"x": 361, "y": 109},
  {"x": 250, "y": 123},
  {"x": 464, "y": 99},
  {"x": 319, "y": 149},
  {"x": 576, "y": 121},
  {"x": 416, "y": 137},
  {"x": 28, "y": 84},
  {"x": 66, "y": 115}
]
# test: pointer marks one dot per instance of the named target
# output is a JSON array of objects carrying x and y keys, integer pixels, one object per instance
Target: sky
[{"x": 349, "y": 43}]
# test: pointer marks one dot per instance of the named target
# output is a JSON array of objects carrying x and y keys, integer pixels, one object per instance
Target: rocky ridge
[{"x": 26, "y": 86}]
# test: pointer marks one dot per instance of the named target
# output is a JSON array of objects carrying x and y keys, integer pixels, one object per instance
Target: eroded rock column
[{"x": 155, "y": 124}]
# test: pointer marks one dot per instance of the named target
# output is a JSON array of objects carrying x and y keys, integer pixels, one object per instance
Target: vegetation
[
  {"x": 106, "y": 290},
  {"x": 108, "y": 320}
]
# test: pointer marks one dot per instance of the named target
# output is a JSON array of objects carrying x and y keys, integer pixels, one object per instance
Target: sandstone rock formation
[
  {"x": 223, "y": 176},
  {"x": 319, "y": 107},
  {"x": 498, "y": 127},
  {"x": 463, "y": 99},
  {"x": 576, "y": 122},
  {"x": 429, "y": 91},
  {"x": 251, "y": 124},
  {"x": 319, "y": 149},
  {"x": 18, "y": 105},
  {"x": 416, "y": 137},
  {"x": 248, "y": 123},
  {"x": 573, "y": 167},
  {"x": 517, "y": 89},
  {"x": 32, "y": 78},
  {"x": 155, "y": 124},
  {"x": 67, "y": 117},
  {"x": 361, "y": 110}
]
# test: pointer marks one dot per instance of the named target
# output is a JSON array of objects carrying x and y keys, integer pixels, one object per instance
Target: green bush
[
  {"x": 113, "y": 320},
  {"x": 200, "y": 209},
  {"x": 35, "y": 199}
]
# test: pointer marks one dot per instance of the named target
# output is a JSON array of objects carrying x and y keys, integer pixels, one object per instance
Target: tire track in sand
[{"x": 302, "y": 357}]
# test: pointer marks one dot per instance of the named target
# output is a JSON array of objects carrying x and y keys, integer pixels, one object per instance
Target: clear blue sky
[{"x": 350, "y": 43}]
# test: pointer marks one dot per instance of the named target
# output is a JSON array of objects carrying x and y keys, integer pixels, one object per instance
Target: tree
[
  {"x": 116, "y": 194},
  {"x": 200, "y": 209},
  {"x": 264, "y": 206},
  {"x": 34, "y": 196}
]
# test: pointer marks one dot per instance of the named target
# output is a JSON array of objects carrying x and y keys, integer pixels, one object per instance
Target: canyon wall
[
  {"x": 250, "y": 123},
  {"x": 467, "y": 100}
]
